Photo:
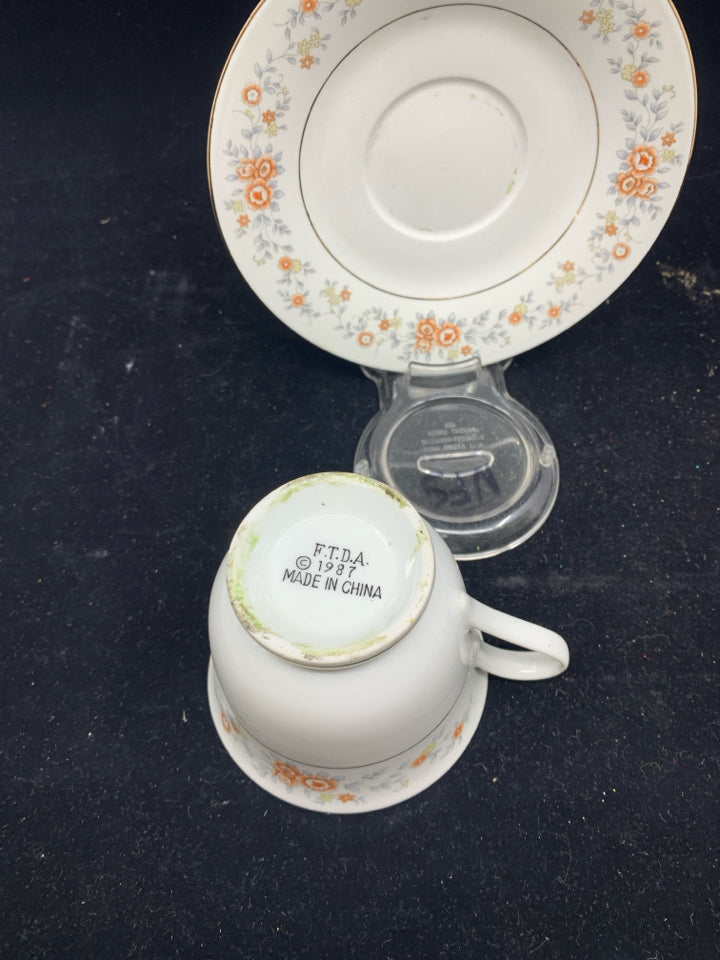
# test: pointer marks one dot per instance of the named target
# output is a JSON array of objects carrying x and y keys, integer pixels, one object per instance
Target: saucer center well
[
  {"x": 448, "y": 151},
  {"x": 445, "y": 158}
]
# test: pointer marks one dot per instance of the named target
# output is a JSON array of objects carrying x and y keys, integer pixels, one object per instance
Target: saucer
[
  {"x": 353, "y": 789},
  {"x": 409, "y": 182}
]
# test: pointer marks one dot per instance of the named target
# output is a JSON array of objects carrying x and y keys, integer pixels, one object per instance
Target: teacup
[{"x": 348, "y": 667}]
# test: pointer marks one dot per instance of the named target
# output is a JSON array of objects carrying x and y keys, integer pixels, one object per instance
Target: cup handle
[{"x": 545, "y": 653}]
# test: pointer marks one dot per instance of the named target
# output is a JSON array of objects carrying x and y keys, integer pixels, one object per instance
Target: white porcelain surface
[
  {"x": 400, "y": 181},
  {"x": 354, "y": 789},
  {"x": 324, "y": 582},
  {"x": 319, "y": 706}
]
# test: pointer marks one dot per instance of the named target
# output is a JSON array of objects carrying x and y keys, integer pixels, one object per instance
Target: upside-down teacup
[{"x": 348, "y": 665}]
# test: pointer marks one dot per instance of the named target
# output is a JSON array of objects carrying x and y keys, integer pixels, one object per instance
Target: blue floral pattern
[
  {"x": 630, "y": 41},
  {"x": 354, "y": 789}
]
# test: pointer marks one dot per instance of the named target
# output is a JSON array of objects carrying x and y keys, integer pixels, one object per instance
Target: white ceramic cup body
[{"x": 365, "y": 711}]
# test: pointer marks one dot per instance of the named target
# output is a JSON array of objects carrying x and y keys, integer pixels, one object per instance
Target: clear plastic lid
[{"x": 474, "y": 462}]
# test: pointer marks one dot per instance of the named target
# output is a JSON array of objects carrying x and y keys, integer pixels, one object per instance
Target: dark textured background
[{"x": 148, "y": 400}]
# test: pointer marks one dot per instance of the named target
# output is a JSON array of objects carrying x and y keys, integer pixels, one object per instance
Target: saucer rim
[{"x": 530, "y": 326}]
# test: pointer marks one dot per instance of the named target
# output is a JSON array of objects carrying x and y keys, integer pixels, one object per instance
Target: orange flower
[
  {"x": 287, "y": 773},
  {"x": 345, "y": 294},
  {"x": 308, "y": 6},
  {"x": 448, "y": 334},
  {"x": 643, "y": 160},
  {"x": 641, "y": 78},
  {"x": 424, "y": 345},
  {"x": 346, "y": 797},
  {"x": 258, "y": 194},
  {"x": 642, "y": 30},
  {"x": 669, "y": 139},
  {"x": 269, "y": 116},
  {"x": 647, "y": 188},
  {"x": 285, "y": 263},
  {"x": 246, "y": 170},
  {"x": 365, "y": 338},
  {"x": 458, "y": 730},
  {"x": 229, "y": 723},
  {"x": 321, "y": 784},
  {"x": 418, "y": 761},
  {"x": 466, "y": 350},
  {"x": 555, "y": 311},
  {"x": 385, "y": 324},
  {"x": 621, "y": 250},
  {"x": 611, "y": 229},
  {"x": 568, "y": 266},
  {"x": 515, "y": 318},
  {"x": 307, "y": 62},
  {"x": 266, "y": 168},
  {"x": 244, "y": 220},
  {"x": 426, "y": 328},
  {"x": 298, "y": 300},
  {"x": 252, "y": 94},
  {"x": 628, "y": 182},
  {"x": 587, "y": 17}
]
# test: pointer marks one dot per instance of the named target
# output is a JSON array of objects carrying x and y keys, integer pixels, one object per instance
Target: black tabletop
[{"x": 149, "y": 399}]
